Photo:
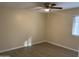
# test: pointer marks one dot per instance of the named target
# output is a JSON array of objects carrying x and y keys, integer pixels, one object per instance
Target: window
[{"x": 75, "y": 29}]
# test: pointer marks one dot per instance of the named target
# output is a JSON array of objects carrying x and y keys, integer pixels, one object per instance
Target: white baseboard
[
  {"x": 18, "y": 47},
  {"x": 62, "y": 46},
  {"x": 37, "y": 42},
  {"x": 11, "y": 49}
]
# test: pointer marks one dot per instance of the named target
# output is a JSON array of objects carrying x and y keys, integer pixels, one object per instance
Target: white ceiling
[
  {"x": 68, "y": 5},
  {"x": 65, "y": 5}
]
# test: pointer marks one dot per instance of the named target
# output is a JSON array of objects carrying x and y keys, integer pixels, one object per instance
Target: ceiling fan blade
[
  {"x": 38, "y": 8},
  {"x": 56, "y": 7}
]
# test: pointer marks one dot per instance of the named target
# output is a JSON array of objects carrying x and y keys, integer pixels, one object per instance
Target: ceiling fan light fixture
[{"x": 46, "y": 10}]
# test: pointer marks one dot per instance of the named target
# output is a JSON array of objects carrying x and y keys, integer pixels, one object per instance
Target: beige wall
[
  {"x": 59, "y": 28},
  {"x": 16, "y": 25}
]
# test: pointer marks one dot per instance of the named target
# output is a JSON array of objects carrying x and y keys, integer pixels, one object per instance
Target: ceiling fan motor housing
[{"x": 49, "y": 5}]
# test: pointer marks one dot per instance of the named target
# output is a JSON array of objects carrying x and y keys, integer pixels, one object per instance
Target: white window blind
[{"x": 75, "y": 29}]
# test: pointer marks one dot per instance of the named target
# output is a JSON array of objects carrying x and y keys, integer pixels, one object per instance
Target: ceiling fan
[{"x": 48, "y": 7}]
